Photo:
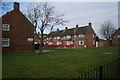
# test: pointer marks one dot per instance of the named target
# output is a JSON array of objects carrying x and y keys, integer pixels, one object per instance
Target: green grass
[{"x": 62, "y": 63}]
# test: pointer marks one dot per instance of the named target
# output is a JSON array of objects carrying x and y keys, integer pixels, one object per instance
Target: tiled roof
[{"x": 71, "y": 32}]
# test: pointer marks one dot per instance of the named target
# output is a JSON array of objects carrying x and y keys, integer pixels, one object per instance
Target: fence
[{"x": 109, "y": 70}]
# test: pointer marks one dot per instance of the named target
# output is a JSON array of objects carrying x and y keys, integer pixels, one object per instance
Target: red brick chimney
[{"x": 16, "y": 6}]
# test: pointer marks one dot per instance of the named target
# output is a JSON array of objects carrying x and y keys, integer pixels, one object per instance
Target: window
[
  {"x": 30, "y": 39},
  {"x": 71, "y": 42},
  {"x": 50, "y": 43},
  {"x": 64, "y": 36},
  {"x": 54, "y": 37},
  {"x": 81, "y": 42},
  {"x": 6, "y": 27},
  {"x": 67, "y": 43},
  {"x": 81, "y": 35},
  {"x": 93, "y": 42},
  {"x": 5, "y": 42},
  {"x": 68, "y": 36},
  {"x": 58, "y": 37},
  {"x": 118, "y": 36},
  {"x": 93, "y": 35}
]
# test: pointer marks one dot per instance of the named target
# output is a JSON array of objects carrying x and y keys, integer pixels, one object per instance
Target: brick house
[
  {"x": 17, "y": 32},
  {"x": 116, "y": 38},
  {"x": 77, "y": 37}
]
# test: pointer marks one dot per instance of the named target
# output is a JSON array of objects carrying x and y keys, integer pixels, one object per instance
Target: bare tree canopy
[
  {"x": 42, "y": 16},
  {"x": 107, "y": 29}
]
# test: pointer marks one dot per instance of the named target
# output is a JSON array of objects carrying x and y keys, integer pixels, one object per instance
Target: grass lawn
[{"x": 62, "y": 63}]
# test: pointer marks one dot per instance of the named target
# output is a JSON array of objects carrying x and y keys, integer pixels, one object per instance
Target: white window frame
[
  {"x": 93, "y": 35},
  {"x": 71, "y": 42},
  {"x": 54, "y": 37},
  {"x": 80, "y": 42},
  {"x": 50, "y": 43},
  {"x": 81, "y": 35},
  {"x": 6, "y": 39},
  {"x": 93, "y": 41},
  {"x": 58, "y": 37},
  {"x": 67, "y": 43},
  {"x": 5, "y": 26},
  {"x": 68, "y": 36},
  {"x": 29, "y": 39},
  {"x": 118, "y": 36}
]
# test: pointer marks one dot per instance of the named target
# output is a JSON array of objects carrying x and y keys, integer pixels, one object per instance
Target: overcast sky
[{"x": 82, "y": 13}]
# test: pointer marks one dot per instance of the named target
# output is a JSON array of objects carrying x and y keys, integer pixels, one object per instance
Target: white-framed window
[
  {"x": 5, "y": 42},
  {"x": 68, "y": 36},
  {"x": 75, "y": 35},
  {"x": 81, "y": 42},
  {"x": 118, "y": 36},
  {"x": 58, "y": 43},
  {"x": 64, "y": 36},
  {"x": 67, "y": 43},
  {"x": 49, "y": 37},
  {"x": 81, "y": 35},
  {"x": 93, "y": 42},
  {"x": 54, "y": 37},
  {"x": 58, "y": 37},
  {"x": 71, "y": 42},
  {"x": 93, "y": 35},
  {"x": 29, "y": 39},
  {"x": 50, "y": 43},
  {"x": 6, "y": 27}
]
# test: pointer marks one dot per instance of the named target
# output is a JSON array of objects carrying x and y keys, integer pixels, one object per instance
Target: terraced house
[
  {"x": 78, "y": 37},
  {"x": 116, "y": 38},
  {"x": 17, "y": 32}
]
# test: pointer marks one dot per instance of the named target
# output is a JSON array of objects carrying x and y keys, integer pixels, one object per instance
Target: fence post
[{"x": 101, "y": 72}]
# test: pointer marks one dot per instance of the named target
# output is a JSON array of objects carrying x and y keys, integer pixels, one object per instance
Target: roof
[{"x": 71, "y": 32}]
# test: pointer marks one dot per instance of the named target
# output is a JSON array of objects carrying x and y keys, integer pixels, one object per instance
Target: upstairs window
[
  {"x": 5, "y": 42},
  {"x": 81, "y": 35},
  {"x": 68, "y": 36},
  {"x": 58, "y": 37},
  {"x": 6, "y": 27}
]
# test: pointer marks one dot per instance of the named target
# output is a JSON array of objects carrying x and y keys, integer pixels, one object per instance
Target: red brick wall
[{"x": 20, "y": 30}]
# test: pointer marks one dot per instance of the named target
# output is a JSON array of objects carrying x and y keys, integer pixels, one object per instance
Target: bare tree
[
  {"x": 6, "y": 6},
  {"x": 107, "y": 29},
  {"x": 43, "y": 15}
]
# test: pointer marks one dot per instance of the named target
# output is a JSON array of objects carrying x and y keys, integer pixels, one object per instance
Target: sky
[{"x": 82, "y": 13}]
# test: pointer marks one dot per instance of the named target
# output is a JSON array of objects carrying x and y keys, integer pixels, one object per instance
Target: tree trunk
[{"x": 41, "y": 43}]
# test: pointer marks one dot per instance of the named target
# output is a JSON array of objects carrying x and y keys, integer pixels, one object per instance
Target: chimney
[
  {"x": 66, "y": 28},
  {"x": 57, "y": 29},
  {"x": 90, "y": 24},
  {"x": 77, "y": 26},
  {"x": 16, "y": 6}
]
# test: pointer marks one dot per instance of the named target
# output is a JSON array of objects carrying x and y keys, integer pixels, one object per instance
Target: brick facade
[
  {"x": 21, "y": 30},
  {"x": 116, "y": 38},
  {"x": 78, "y": 37}
]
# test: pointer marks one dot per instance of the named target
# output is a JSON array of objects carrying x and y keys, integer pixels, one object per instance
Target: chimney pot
[
  {"x": 90, "y": 23},
  {"x": 16, "y": 6},
  {"x": 77, "y": 26},
  {"x": 66, "y": 27},
  {"x": 57, "y": 29}
]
